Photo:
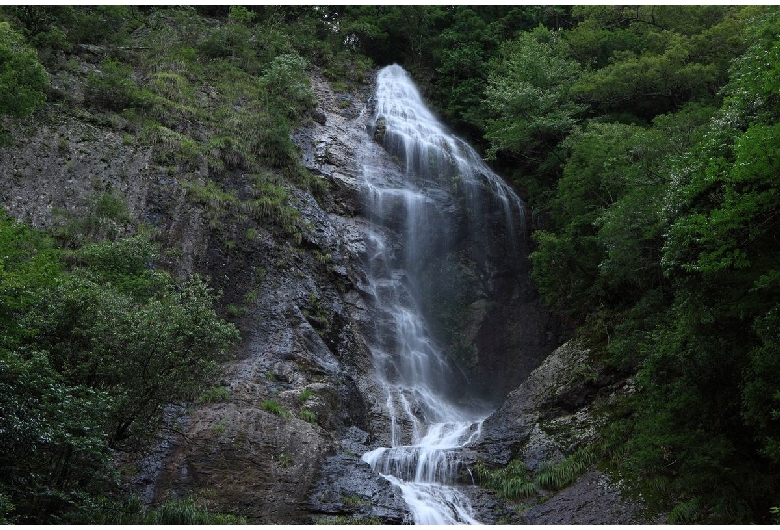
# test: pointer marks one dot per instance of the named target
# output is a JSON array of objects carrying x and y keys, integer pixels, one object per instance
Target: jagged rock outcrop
[
  {"x": 549, "y": 416},
  {"x": 302, "y": 372}
]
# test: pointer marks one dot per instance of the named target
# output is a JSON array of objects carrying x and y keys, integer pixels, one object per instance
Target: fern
[
  {"x": 686, "y": 512},
  {"x": 561, "y": 474},
  {"x": 510, "y": 482}
]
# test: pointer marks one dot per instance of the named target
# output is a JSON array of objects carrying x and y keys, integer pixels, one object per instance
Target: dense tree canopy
[{"x": 22, "y": 77}]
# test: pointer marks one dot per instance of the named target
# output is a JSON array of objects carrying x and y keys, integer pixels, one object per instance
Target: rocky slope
[{"x": 551, "y": 415}]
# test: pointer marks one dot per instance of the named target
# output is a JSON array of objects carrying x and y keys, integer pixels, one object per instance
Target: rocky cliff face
[
  {"x": 284, "y": 446},
  {"x": 552, "y": 414}
]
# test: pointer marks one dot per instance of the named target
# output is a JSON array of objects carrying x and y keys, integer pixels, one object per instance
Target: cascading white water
[{"x": 431, "y": 420}]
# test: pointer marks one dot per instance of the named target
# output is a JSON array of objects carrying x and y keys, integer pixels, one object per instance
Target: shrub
[
  {"x": 23, "y": 79},
  {"x": 113, "y": 88},
  {"x": 215, "y": 394},
  {"x": 273, "y": 407},
  {"x": 307, "y": 415}
]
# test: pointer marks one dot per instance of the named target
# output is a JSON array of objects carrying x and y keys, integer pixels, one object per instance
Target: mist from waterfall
[{"x": 417, "y": 205}]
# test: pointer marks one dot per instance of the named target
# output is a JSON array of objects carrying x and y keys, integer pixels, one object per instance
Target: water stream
[{"x": 418, "y": 208}]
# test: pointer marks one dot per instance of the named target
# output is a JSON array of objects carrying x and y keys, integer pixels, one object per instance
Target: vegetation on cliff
[{"x": 644, "y": 137}]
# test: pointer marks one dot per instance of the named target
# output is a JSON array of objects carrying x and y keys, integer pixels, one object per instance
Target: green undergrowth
[
  {"x": 267, "y": 202},
  {"x": 308, "y": 415},
  {"x": 272, "y": 406},
  {"x": 514, "y": 481},
  {"x": 172, "y": 512},
  {"x": 213, "y": 99},
  {"x": 347, "y": 519}
]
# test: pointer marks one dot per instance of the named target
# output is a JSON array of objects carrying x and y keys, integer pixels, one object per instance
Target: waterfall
[{"x": 436, "y": 189}]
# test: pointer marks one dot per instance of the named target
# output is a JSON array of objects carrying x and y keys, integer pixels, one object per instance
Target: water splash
[{"x": 416, "y": 206}]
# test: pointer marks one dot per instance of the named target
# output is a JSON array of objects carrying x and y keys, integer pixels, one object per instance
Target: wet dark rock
[
  {"x": 488, "y": 509},
  {"x": 349, "y": 487},
  {"x": 592, "y": 499},
  {"x": 319, "y": 116}
]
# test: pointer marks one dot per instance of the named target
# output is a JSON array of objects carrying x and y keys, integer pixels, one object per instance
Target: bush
[
  {"x": 23, "y": 79},
  {"x": 113, "y": 88}
]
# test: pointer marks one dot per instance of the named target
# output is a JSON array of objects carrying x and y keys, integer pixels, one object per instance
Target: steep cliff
[{"x": 280, "y": 443}]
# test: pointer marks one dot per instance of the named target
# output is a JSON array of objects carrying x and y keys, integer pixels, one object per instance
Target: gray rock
[
  {"x": 349, "y": 487},
  {"x": 541, "y": 423}
]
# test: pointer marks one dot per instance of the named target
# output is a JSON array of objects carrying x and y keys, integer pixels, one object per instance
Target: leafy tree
[
  {"x": 649, "y": 60},
  {"x": 526, "y": 102},
  {"x": 724, "y": 232},
  {"x": 88, "y": 358},
  {"x": 23, "y": 80},
  {"x": 130, "y": 331},
  {"x": 286, "y": 82},
  {"x": 701, "y": 439},
  {"x": 55, "y": 455},
  {"x": 29, "y": 261},
  {"x": 56, "y": 29},
  {"x": 54, "y": 450},
  {"x": 389, "y": 34},
  {"x": 605, "y": 248}
]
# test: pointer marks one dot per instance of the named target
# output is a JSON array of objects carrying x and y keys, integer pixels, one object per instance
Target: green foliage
[
  {"x": 55, "y": 28},
  {"x": 23, "y": 80},
  {"x": 527, "y": 97},
  {"x": 269, "y": 405},
  {"x": 231, "y": 42},
  {"x": 347, "y": 520},
  {"x": 513, "y": 482},
  {"x": 391, "y": 33},
  {"x": 187, "y": 511},
  {"x": 112, "y": 88},
  {"x": 240, "y": 15},
  {"x": 663, "y": 246},
  {"x": 308, "y": 415},
  {"x": 89, "y": 356},
  {"x": 146, "y": 351},
  {"x": 102, "y": 216},
  {"x": 510, "y": 482},
  {"x": 55, "y": 455},
  {"x": 267, "y": 200},
  {"x": 29, "y": 261},
  {"x": 287, "y": 84},
  {"x": 653, "y": 59},
  {"x": 607, "y": 208},
  {"x": 216, "y": 394},
  {"x": 560, "y": 474},
  {"x": 348, "y": 68}
]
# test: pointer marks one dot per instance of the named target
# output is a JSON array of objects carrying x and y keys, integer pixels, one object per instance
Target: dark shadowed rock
[
  {"x": 547, "y": 418},
  {"x": 348, "y": 487},
  {"x": 592, "y": 499}
]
